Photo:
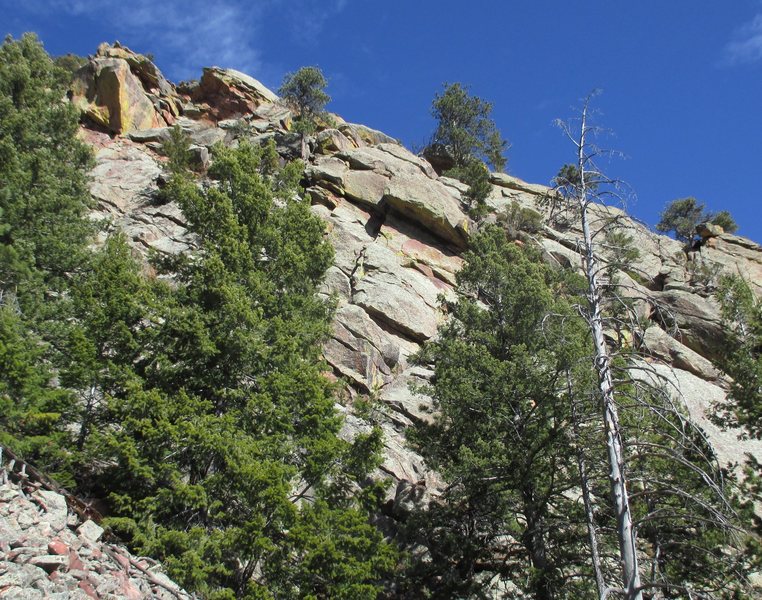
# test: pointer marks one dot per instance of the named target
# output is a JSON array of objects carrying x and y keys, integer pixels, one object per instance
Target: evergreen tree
[
  {"x": 501, "y": 433},
  {"x": 742, "y": 313},
  {"x": 681, "y": 217},
  {"x": 465, "y": 129},
  {"x": 43, "y": 185},
  {"x": 43, "y": 236},
  {"x": 218, "y": 440},
  {"x": 32, "y": 410},
  {"x": 476, "y": 176},
  {"x": 305, "y": 92}
]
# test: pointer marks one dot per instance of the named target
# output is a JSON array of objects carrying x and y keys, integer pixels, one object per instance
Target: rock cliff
[{"x": 398, "y": 230}]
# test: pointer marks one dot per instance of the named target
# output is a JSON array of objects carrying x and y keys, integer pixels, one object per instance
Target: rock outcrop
[
  {"x": 123, "y": 91},
  {"x": 398, "y": 229},
  {"x": 226, "y": 93}
]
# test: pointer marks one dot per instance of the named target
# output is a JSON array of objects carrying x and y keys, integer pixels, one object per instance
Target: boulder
[
  {"x": 288, "y": 144},
  {"x": 433, "y": 205},
  {"x": 365, "y": 187},
  {"x": 90, "y": 531},
  {"x": 659, "y": 344},
  {"x": 514, "y": 183},
  {"x": 141, "y": 66},
  {"x": 56, "y": 511},
  {"x": 108, "y": 93},
  {"x": 330, "y": 141},
  {"x": 696, "y": 320},
  {"x": 157, "y": 135},
  {"x": 736, "y": 255},
  {"x": 365, "y": 136},
  {"x": 230, "y": 93},
  {"x": 199, "y": 158},
  {"x": 709, "y": 230},
  {"x": 389, "y": 177}
]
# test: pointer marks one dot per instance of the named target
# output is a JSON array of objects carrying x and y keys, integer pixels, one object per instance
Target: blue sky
[{"x": 681, "y": 79}]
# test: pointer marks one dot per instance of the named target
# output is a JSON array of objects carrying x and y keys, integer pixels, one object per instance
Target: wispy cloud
[
  {"x": 185, "y": 35},
  {"x": 746, "y": 45},
  {"x": 310, "y": 17}
]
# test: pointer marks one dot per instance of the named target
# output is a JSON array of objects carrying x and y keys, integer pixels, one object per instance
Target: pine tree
[
  {"x": 501, "y": 434},
  {"x": 304, "y": 91},
  {"x": 43, "y": 191},
  {"x": 465, "y": 129},
  {"x": 742, "y": 313},
  {"x": 218, "y": 440},
  {"x": 43, "y": 236}
]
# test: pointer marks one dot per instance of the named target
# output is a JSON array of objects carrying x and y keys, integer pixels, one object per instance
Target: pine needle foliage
[
  {"x": 501, "y": 434},
  {"x": 217, "y": 436}
]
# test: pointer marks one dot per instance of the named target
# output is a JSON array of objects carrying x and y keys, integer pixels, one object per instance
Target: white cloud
[
  {"x": 310, "y": 17},
  {"x": 185, "y": 35},
  {"x": 746, "y": 46}
]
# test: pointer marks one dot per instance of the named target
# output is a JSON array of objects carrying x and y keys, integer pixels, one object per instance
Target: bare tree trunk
[
  {"x": 600, "y": 581},
  {"x": 534, "y": 542},
  {"x": 625, "y": 529},
  {"x": 305, "y": 147}
]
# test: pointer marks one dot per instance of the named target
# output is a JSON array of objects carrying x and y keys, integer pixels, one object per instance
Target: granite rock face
[
  {"x": 123, "y": 91},
  {"x": 229, "y": 93},
  {"x": 399, "y": 229}
]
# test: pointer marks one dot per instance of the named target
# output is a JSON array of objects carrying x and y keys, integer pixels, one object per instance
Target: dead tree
[
  {"x": 582, "y": 190},
  {"x": 582, "y": 195}
]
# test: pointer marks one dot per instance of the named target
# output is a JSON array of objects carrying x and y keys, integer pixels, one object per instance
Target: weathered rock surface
[
  {"x": 699, "y": 396},
  {"x": 398, "y": 229},
  {"x": 45, "y": 552},
  {"x": 709, "y": 230},
  {"x": 388, "y": 177},
  {"x": 734, "y": 255},
  {"x": 663, "y": 346},
  {"x": 124, "y": 91},
  {"x": 697, "y": 319},
  {"x": 124, "y": 185},
  {"x": 229, "y": 93}
]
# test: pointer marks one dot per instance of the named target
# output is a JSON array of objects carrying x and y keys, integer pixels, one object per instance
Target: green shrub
[
  {"x": 476, "y": 176},
  {"x": 305, "y": 92},
  {"x": 516, "y": 218}
]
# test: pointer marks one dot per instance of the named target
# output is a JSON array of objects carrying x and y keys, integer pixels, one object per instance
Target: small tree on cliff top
[
  {"x": 470, "y": 137},
  {"x": 465, "y": 129},
  {"x": 304, "y": 91},
  {"x": 681, "y": 217}
]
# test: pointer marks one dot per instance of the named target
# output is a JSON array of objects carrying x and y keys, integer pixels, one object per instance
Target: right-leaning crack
[{"x": 357, "y": 270}]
